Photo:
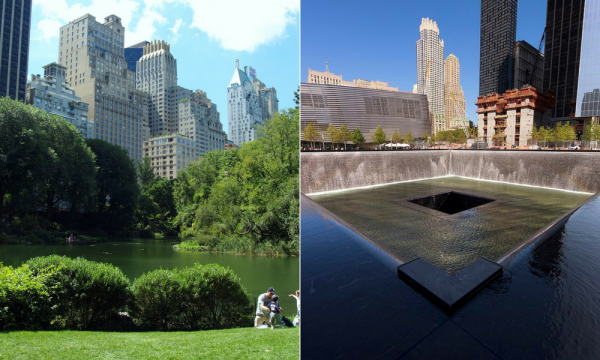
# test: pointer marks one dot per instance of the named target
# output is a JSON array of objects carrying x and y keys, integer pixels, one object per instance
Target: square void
[{"x": 451, "y": 202}]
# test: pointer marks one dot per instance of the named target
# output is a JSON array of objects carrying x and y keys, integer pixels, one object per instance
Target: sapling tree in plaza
[
  {"x": 379, "y": 136},
  {"x": 357, "y": 137}
]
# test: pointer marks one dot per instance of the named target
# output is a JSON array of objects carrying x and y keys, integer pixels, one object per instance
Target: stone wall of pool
[{"x": 565, "y": 170}]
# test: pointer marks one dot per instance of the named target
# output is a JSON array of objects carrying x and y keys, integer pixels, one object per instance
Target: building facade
[
  {"x": 564, "y": 28},
  {"x": 92, "y": 53},
  {"x": 430, "y": 70},
  {"x": 133, "y": 53},
  {"x": 156, "y": 74},
  {"x": 508, "y": 119},
  {"x": 496, "y": 46},
  {"x": 364, "y": 109},
  {"x": 588, "y": 85},
  {"x": 318, "y": 77},
  {"x": 200, "y": 121},
  {"x": 14, "y": 52},
  {"x": 529, "y": 66},
  {"x": 454, "y": 95},
  {"x": 53, "y": 95},
  {"x": 169, "y": 154},
  {"x": 267, "y": 99},
  {"x": 244, "y": 112}
]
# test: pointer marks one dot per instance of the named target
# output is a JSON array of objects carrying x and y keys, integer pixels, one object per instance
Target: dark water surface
[
  {"x": 546, "y": 305},
  {"x": 137, "y": 256},
  {"x": 449, "y": 241}
]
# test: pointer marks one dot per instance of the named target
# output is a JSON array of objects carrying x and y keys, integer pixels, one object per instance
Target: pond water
[{"x": 137, "y": 256}]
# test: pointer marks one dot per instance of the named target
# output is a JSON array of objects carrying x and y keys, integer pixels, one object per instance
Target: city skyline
[
  {"x": 204, "y": 48},
  {"x": 399, "y": 25}
]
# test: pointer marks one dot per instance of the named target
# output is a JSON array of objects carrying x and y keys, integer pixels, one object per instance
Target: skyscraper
[
  {"x": 496, "y": 46},
  {"x": 454, "y": 95},
  {"x": 244, "y": 112},
  {"x": 430, "y": 70},
  {"x": 267, "y": 99},
  {"x": 588, "y": 86},
  {"x": 95, "y": 67},
  {"x": 14, "y": 52},
  {"x": 133, "y": 53},
  {"x": 529, "y": 66},
  {"x": 156, "y": 75},
  {"x": 564, "y": 25}
]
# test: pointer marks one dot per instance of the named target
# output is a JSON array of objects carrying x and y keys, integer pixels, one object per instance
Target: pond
[{"x": 137, "y": 256}]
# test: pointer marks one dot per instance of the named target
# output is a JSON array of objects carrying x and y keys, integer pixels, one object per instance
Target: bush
[
  {"x": 24, "y": 299},
  {"x": 145, "y": 234},
  {"x": 199, "y": 297},
  {"x": 84, "y": 293}
]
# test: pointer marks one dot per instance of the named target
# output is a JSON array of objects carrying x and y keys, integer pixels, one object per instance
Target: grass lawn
[{"x": 241, "y": 343}]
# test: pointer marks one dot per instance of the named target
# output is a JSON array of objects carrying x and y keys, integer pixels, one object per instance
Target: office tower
[
  {"x": 529, "y": 66},
  {"x": 564, "y": 25},
  {"x": 454, "y": 95},
  {"x": 497, "y": 41},
  {"x": 53, "y": 95},
  {"x": 588, "y": 85},
  {"x": 430, "y": 70},
  {"x": 14, "y": 52},
  {"x": 156, "y": 75},
  {"x": 244, "y": 112},
  {"x": 200, "y": 120},
  {"x": 133, "y": 53},
  {"x": 169, "y": 154},
  {"x": 95, "y": 67},
  {"x": 267, "y": 99}
]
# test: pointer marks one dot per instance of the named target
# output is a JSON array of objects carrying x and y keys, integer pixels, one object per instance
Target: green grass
[{"x": 241, "y": 343}]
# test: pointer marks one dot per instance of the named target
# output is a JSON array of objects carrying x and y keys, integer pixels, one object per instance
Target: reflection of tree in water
[{"x": 547, "y": 260}]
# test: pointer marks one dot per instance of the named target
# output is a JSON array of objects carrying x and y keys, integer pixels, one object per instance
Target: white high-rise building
[
  {"x": 156, "y": 74},
  {"x": 95, "y": 68},
  {"x": 430, "y": 70},
  {"x": 455, "y": 97},
  {"x": 244, "y": 113}
]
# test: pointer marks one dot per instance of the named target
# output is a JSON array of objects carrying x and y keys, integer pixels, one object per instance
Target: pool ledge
[{"x": 449, "y": 292}]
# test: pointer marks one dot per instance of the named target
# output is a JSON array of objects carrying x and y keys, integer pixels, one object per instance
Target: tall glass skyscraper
[
  {"x": 14, "y": 53},
  {"x": 133, "y": 53},
  {"x": 588, "y": 88},
  {"x": 497, "y": 41},
  {"x": 564, "y": 24}
]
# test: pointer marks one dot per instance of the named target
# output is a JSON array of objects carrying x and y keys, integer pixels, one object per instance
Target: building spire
[
  {"x": 326, "y": 67},
  {"x": 237, "y": 64}
]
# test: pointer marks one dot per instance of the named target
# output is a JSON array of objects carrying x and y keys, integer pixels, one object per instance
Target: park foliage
[
  {"x": 57, "y": 292},
  {"x": 246, "y": 200},
  {"x": 53, "y": 183}
]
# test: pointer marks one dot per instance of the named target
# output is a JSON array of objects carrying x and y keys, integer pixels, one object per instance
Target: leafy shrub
[
  {"x": 84, "y": 293},
  {"x": 24, "y": 299},
  {"x": 170, "y": 232},
  {"x": 199, "y": 297},
  {"x": 145, "y": 234},
  {"x": 98, "y": 233}
]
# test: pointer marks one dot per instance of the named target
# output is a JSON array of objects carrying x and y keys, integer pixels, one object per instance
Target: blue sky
[
  {"x": 206, "y": 38},
  {"x": 376, "y": 40}
]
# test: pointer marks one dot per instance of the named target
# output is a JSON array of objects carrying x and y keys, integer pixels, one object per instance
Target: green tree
[
  {"x": 331, "y": 132},
  {"x": 118, "y": 192},
  {"x": 345, "y": 135},
  {"x": 357, "y": 137},
  {"x": 27, "y": 157},
  {"x": 409, "y": 138},
  {"x": 396, "y": 137},
  {"x": 146, "y": 173},
  {"x": 379, "y": 136},
  {"x": 460, "y": 137},
  {"x": 297, "y": 97},
  {"x": 311, "y": 134}
]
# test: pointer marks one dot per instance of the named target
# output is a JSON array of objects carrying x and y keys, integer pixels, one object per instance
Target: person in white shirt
[
  {"x": 262, "y": 310},
  {"x": 297, "y": 318}
]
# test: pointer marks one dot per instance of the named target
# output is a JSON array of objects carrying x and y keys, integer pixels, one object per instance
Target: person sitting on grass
[
  {"x": 275, "y": 317},
  {"x": 262, "y": 309},
  {"x": 297, "y": 318}
]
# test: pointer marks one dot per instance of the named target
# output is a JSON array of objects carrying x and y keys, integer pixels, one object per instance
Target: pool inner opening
[{"x": 451, "y": 202}]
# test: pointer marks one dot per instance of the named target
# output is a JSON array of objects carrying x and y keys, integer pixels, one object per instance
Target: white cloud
[
  {"x": 244, "y": 25},
  {"x": 236, "y": 24},
  {"x": 175, "y": 30}
]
